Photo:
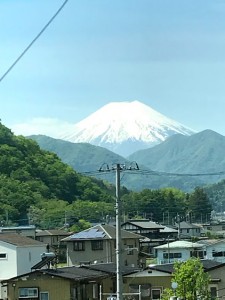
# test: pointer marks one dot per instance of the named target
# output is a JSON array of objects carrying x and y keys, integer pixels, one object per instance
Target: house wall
[
  {"x": 220, "y": 285},
  {"x": 106, "y": 255},
  {"x": 211, "y": 251},
  {"x": 156, "y": 281},
  {"x": 59, "y": 288},
  {"x": 27, "y": 257},
  {"x": 185, "y": 254},
  {"x": 8, "y": 265}
]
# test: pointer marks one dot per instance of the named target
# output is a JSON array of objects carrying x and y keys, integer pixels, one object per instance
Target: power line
[
  {"x": 33, "y": 41},
  {"x": 152, "y": 173}
]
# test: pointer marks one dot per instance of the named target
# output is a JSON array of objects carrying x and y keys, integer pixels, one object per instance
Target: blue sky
[{"x": 168, "y": 54}]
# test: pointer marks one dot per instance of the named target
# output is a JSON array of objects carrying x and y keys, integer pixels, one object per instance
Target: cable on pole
[{"x": 33, "y": 41}]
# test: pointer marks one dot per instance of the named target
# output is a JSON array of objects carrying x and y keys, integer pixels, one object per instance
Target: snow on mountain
[{"x": 125, "y": 127}]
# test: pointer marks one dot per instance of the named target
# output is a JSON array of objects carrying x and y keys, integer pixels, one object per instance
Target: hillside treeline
[{"x": 36, "y": 187}]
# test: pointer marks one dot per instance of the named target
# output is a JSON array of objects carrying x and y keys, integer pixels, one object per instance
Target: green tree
[
  {"x": 199, "y": 205},
  {"x": 192, "y": 281}
]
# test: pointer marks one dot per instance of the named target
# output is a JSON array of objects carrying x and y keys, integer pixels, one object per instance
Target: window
[
  {"x": 131, "y": 250},
  {"x": 97, "y": 245},
  {"x": 78, "y": 246},
  {"x": 213, "y": 292},
  {"x": 156, "y": 293},
  {"x": 218, "y": 253},
  {"x": 172, "y": 255},
  {"x": 28, "y": 293},
  {"x": 44, "y": 296},
  {"x": 3, "y": 255},
  {"x": 145, "y": 289}
]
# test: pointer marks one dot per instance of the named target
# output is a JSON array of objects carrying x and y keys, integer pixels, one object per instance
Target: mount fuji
[{"x": 124, "y": 128}]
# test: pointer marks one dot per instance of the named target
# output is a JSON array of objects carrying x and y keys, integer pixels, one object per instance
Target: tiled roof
[
  {"x": 208, "y": 265},
  {"x": 82, "y": 273},
  {"x": 209, "y": 242},
  {"x": 50, "y": 232},
  {"x": 103, "y": 231},
  {"x": 76, "y": 273},
  {"x": 18, "y": 239},
  {"x": 111, "y": 268},
  {"x": 186, "y": 225},
  {"x": 145, "y": 224}
]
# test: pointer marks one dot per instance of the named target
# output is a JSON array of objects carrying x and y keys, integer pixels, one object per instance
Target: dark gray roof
[
  {"x": 145, "y": 224},
  {"x": 111, "y": 268},
  {"x": 184, "y": 225},
  {"x": 52, "y": 232},
  {"x": 18, "y": 239},
  {"x": 102, "y": 231},
  {"x": 208, "y": 265},
  {"x": 71, "y": 273},
  {"x": 82, "y": 273}
]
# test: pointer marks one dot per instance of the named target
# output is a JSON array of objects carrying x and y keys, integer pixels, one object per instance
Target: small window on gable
[{"x": 3, "y": 255}]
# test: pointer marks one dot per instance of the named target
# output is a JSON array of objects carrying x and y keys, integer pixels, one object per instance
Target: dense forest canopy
[{"x": 36, "y": 187}]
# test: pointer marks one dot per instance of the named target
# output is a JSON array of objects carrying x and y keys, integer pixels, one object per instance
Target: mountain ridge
[
  {"x": 178, "y": 154},
  {"x": 125, "y": 127}
]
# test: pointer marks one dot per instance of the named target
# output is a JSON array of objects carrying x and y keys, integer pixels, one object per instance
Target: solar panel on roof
[
  {"x": 92, "y": 233},
  {"x": 45, "y": 261}
]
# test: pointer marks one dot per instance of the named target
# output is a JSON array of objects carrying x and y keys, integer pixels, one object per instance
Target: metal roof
[
  {"x": 102, "y": 231},
  {"x": 145, "y": 224},
  {"x": 208, "y": 265},
  {"x": 179, "y": 244}
]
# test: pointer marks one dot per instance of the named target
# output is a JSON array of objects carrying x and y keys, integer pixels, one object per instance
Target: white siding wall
[
  {"x": 27, "y": 257},
  {"x": 185, "y": 254},
  {"x": 219, "y": 247},
  {"x": 8, "y": 264}
]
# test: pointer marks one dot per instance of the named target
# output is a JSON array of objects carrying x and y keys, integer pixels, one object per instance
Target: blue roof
[{"x": 91, "y": 233}]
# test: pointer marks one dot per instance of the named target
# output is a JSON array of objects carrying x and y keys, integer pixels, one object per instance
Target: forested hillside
[
  {"x": 35, "y": 184},
  {"x": 36, "y": 187}
]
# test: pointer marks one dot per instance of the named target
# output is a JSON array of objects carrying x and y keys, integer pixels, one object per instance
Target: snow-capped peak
[{"x": 120, "y": 123}]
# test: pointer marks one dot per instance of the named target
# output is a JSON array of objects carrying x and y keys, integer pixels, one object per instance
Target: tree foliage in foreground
[
  {"x": 36, "y": 186},
  {"x": 192, "y": 281}
]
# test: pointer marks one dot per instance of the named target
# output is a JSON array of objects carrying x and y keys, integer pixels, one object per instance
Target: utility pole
[{"x": 119, "y": 278}]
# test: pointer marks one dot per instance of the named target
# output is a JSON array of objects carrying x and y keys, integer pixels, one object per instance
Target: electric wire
[
  {"x": 153, "y": 173},
  {"x": 33, "y": 41}
]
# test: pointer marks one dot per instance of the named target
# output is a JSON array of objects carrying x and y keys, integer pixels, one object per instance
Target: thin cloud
[{"x": 45, "y": 126}]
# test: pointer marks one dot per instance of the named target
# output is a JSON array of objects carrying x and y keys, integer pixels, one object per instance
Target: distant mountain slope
[
  {"x": 83, "y": 157},
  {"x": 202, "y": 152},
  {"x": 173, "y": 155},
  {"x": 125, "y": 127}
]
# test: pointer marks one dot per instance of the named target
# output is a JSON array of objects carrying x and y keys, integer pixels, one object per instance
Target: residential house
[
  {"x": 98, "y": 244},
  {"x": 153, "y": 280},
  {"x": 154, "y": 234},
  {"x": 18, "y": 254},
  {"x": 188, "y": 230},
  {"x": 182, "y": 250},
  {"x": 214, "y": 249},
  {"x": 215, "y": 229},
  {"x": 179, "y": 250},
  {"x": 69, "y": 283},
  {"x": 52, "y": 238},
  {"x": 29, "y": 231}
]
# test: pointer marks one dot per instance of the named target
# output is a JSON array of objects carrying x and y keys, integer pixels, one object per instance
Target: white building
[
  {"x": 183, "y": 250},
  {"x": 179, "y": 250},
  {"x": 18, "y": 254}
]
